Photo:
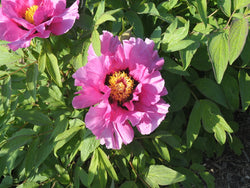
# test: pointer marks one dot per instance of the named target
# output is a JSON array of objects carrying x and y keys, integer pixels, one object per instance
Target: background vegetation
[{"x": 205, "y": 44}]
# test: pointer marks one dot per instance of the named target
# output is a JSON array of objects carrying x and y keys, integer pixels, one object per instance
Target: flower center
[
  {"x": 29, "y": 14},
  {"x": 122, "y": 86}
]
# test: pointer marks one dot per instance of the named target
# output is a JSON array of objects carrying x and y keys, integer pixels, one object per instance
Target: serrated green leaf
[
  {"x": 237, "y": 37},
  {"x": 103, "y": 18},
  {"x": 31, "y": 79},
  {"x": 108, "y": 166},
  {"x": 208, "y": 88},
  {"x": 136, "y": 23},
  {"x": 53, "y": 69},
  {"x": 65, "y": 137},
  {"x": 162, "y": 175},
  {"x": 225, "y": 6},
  {"x": 95, "y": 40},
  {"x": 194, "y": 124},
  {"x": 218, "y": 52},
  {"x": 202, "y": 9},
  {"x": 240, "y": 3},
  {"x": 244, "y": 83}
]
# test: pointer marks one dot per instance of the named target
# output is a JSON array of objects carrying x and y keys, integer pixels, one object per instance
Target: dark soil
[{"x": 231, "y": 170}]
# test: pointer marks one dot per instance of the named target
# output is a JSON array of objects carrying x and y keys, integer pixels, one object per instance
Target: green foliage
[{"x": 205, "y": 45}]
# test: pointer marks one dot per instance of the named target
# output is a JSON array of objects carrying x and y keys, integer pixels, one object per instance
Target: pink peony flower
[
  {"x": 125, "y": 87},
  {"x": 22, "y": 20}
]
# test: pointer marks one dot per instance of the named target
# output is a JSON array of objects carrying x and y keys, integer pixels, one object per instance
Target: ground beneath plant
[{"x": 231, "y": 170}]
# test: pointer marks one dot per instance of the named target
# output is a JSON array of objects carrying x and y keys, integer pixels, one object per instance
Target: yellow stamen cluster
[
  {"x": 121, "y": 86},
  {"x": 29, "y": 14}
]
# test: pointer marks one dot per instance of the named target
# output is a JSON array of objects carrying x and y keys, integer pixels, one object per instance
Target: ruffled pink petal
[
  {"x": 88, "y": 97},
  {"x": 9, "y": 31},
  {"x": 97, "y": 118},
  {"x": 153, "y": 117},
  {"x": 125, "y": 131},
  {"x": 64, "y": 22}
]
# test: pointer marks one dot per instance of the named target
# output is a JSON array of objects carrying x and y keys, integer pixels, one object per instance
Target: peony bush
[{"x": 120, "y": 93}]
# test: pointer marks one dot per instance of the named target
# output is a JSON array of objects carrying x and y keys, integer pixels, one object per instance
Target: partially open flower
[
  {"x": 125, "y": 86},
  {"x": 22, "y": 20}
]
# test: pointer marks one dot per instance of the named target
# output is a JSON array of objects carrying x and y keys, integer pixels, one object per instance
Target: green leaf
[
  {"x": 173, "y": 67},
  {"x": 162, "y": 149},
  {"x": 213, "y": 121},
  {"x": 174, "y": 34},
  {"x": 147, "y": 8},
  {"x": 128, "y": 184},
  {"x": 180, "y": 45},
  {"x": 95, "y": 40},
  {"x": 6, "y": 57},
  {"x": 31, "y": 79},
  {"x": 30, "y": 158},
  {"x": 65, "y": 137},
  {"x": 100, "y": 10},
  {"x": 42, "y": 59},
  {"x": 61, "y": 124},
  {"x": 136, "y": 22},
  {"x": 17, "y": 140},
  {"x": 237, "y": 37},
  {"x": 244, "y": 83},
  {"x": 53, "y": 69},
  {"x": 236, "y": 145},
  {"x": 156, "y": 37},
  {"x": 6, "y": 93},
  {"x": 33, "y": 116},
  {"x": 93, "y": 167},
  {"x": 218, "y": 52},
  {"x": 64, "y": 177},
  {"x": 188, "y": 53},
  {"x": 179, "y": 96},
  {"x": 89, "y": 144},
  {"x": 103, "y": 18},
  {"x": 209, "y": 179},
  {"x": 194, "y": 124},
  {"x": 240, "y": 3},
  {"x": 162, "y": 175},
  {"x": 202, "y": 9},
  {"x": 208, "y": 88},
  {"x": 231, "y": 90},
  {"x": 168, "y": 5},
  {"x": 225, "y": 6},
  {"x": 108, "y": 166}
]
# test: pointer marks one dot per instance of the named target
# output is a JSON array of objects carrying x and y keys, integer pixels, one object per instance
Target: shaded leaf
[
  {"x": 53, "y": 69},
  {"x": 31, "y": 79},
  {"x": 136, "y": 22},
  {"x": 244, "y": 83}
]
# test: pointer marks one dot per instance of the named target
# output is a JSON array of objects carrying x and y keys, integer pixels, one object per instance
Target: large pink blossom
[
  {"x": 123, "y": 88},
  {"x": 22, "y": 20}
]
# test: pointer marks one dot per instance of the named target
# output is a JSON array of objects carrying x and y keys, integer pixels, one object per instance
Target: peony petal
[
  {"x": 88, "y": 97},
  {"x": 64, "y": 22},
  {"x": 125, "y": 131}
]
